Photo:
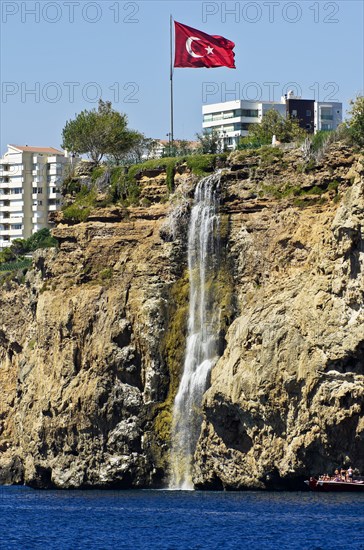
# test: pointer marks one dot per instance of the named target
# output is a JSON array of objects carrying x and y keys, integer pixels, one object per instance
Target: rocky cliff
[{"x": 92, "y": 337}]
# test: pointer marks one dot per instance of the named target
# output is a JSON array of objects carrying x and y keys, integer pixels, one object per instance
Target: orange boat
[{"x": 328, "y": 486}]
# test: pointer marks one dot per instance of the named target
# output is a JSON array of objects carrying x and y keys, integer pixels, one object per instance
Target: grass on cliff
[
  {"x": 302, "y": 196},
  {"x": 82, "y": 207},
  {"x": 124, "y": 183}
]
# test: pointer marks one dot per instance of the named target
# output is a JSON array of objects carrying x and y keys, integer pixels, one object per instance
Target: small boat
[{"x": 328, "y": 486}]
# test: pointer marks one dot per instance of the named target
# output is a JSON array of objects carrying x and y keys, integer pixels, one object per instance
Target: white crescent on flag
[{"x": 189, "y": 46}]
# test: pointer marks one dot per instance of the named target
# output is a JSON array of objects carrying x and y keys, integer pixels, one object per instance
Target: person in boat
[
  {"x": 350, "y": 474},
  {"x": 337, "y": 475},
  {"x": 343, "y": 474}
]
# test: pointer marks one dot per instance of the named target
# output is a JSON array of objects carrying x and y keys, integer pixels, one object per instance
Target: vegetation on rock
[
  {"x": 19, "y": 247},
  {"x": 355, "y": 124},
  {"x": 274, "y": 124}
]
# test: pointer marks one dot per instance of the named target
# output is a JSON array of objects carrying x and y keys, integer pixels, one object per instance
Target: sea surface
[{"x": 134, "y": 520}]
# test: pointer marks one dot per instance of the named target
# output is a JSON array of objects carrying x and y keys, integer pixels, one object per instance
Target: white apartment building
[
  {"x": 232, "y": 119},
  {"x": 30, "y": 188},
  {"x": 328, "y": 116}
]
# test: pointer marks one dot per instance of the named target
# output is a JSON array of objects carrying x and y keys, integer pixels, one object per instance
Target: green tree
[
  {"x": 19, "y": 247},
  {"x": 210, "y": 141},
  {"x": 141, "y": 148},
  {"x": 96, "y": 132},
  {"x": 131, "y": 147},
  {"x": 356, "y": 123},
  {"x": 273, "y": 123},
  {"x": 40, "y": 239},
  {"x": 7, "y": 255}
]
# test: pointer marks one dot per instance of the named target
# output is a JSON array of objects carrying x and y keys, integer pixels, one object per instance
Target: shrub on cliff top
[
  {"x": 355, "y": 124},
  {"x": 273, "y": 123},
  {"x": 201, "y": 165}
]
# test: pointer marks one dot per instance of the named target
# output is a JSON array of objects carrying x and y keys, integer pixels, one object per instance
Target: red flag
[{"x": 195, "y": 49}]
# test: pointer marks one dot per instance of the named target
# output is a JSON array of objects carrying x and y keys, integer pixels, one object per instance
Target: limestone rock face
[
  {"x": 286, "y": 399},
  {"x": 81, "y": 363},
  {"x": 92, "y": 338}
]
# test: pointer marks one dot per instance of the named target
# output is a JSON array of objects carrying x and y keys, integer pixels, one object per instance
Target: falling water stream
[{"x": 203, "y": 328}]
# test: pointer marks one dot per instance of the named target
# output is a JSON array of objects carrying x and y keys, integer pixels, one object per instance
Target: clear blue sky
[{"x": 70, "y": 52}]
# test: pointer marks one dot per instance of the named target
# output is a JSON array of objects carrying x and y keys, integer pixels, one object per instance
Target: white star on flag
[{"x": 209, "y": 50}]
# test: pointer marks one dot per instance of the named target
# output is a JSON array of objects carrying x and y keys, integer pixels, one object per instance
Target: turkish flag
[{"x": 195, "y": 49}]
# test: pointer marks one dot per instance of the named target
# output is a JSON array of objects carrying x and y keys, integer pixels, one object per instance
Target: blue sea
[{"x": 167, "y": 520}]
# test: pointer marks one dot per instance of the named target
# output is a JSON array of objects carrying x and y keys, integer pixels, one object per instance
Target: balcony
[
  {"x": 55, "y": 170},
  {"x": 38, "y": 208},
  {"x": 11, "y": 196},
  {"x": 5, "y": 170},
  {"x": 12, "y": 220},
  {"x": 11, "y": 184},
  {"x": 11, "y": 232},
  {"x": 53, "y": 207},
  {"x": 38, "y": 220},
  {"x": 54, "y": 180},
  {"x": 11, "y": 209},
  {"x": 54, "y": 195}
]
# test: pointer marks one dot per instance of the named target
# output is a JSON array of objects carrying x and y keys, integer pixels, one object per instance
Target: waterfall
[{"x": 203, "y": 329}]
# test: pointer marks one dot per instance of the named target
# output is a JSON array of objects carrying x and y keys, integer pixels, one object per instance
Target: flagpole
[{"x": 171, "y": 79}]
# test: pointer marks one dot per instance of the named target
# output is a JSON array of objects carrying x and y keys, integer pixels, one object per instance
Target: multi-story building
[
  {"x": 30, "y": 188},
  {"x": 328, "y": 115},
  {"x": 232, "y": 119}
]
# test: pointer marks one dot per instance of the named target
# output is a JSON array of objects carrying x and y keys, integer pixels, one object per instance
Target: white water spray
[{"x": 203, "y": 328}]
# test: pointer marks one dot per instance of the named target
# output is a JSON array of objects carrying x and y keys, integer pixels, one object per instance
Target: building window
[
  {"x": 294, "y": 113},
  {"x": 34, "y": 190},
  {"x": 17, "y": 226},
  {"x": 207, "y": 118},
  {"x": 243, "y": 126},
  {"x": 40, "y": 190},
  {"x": 18, "y": 191},
  {"x": 326, "y": 113},
  {"x": 249, "y": 112},
  {"x": 228, "y": 114}
]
